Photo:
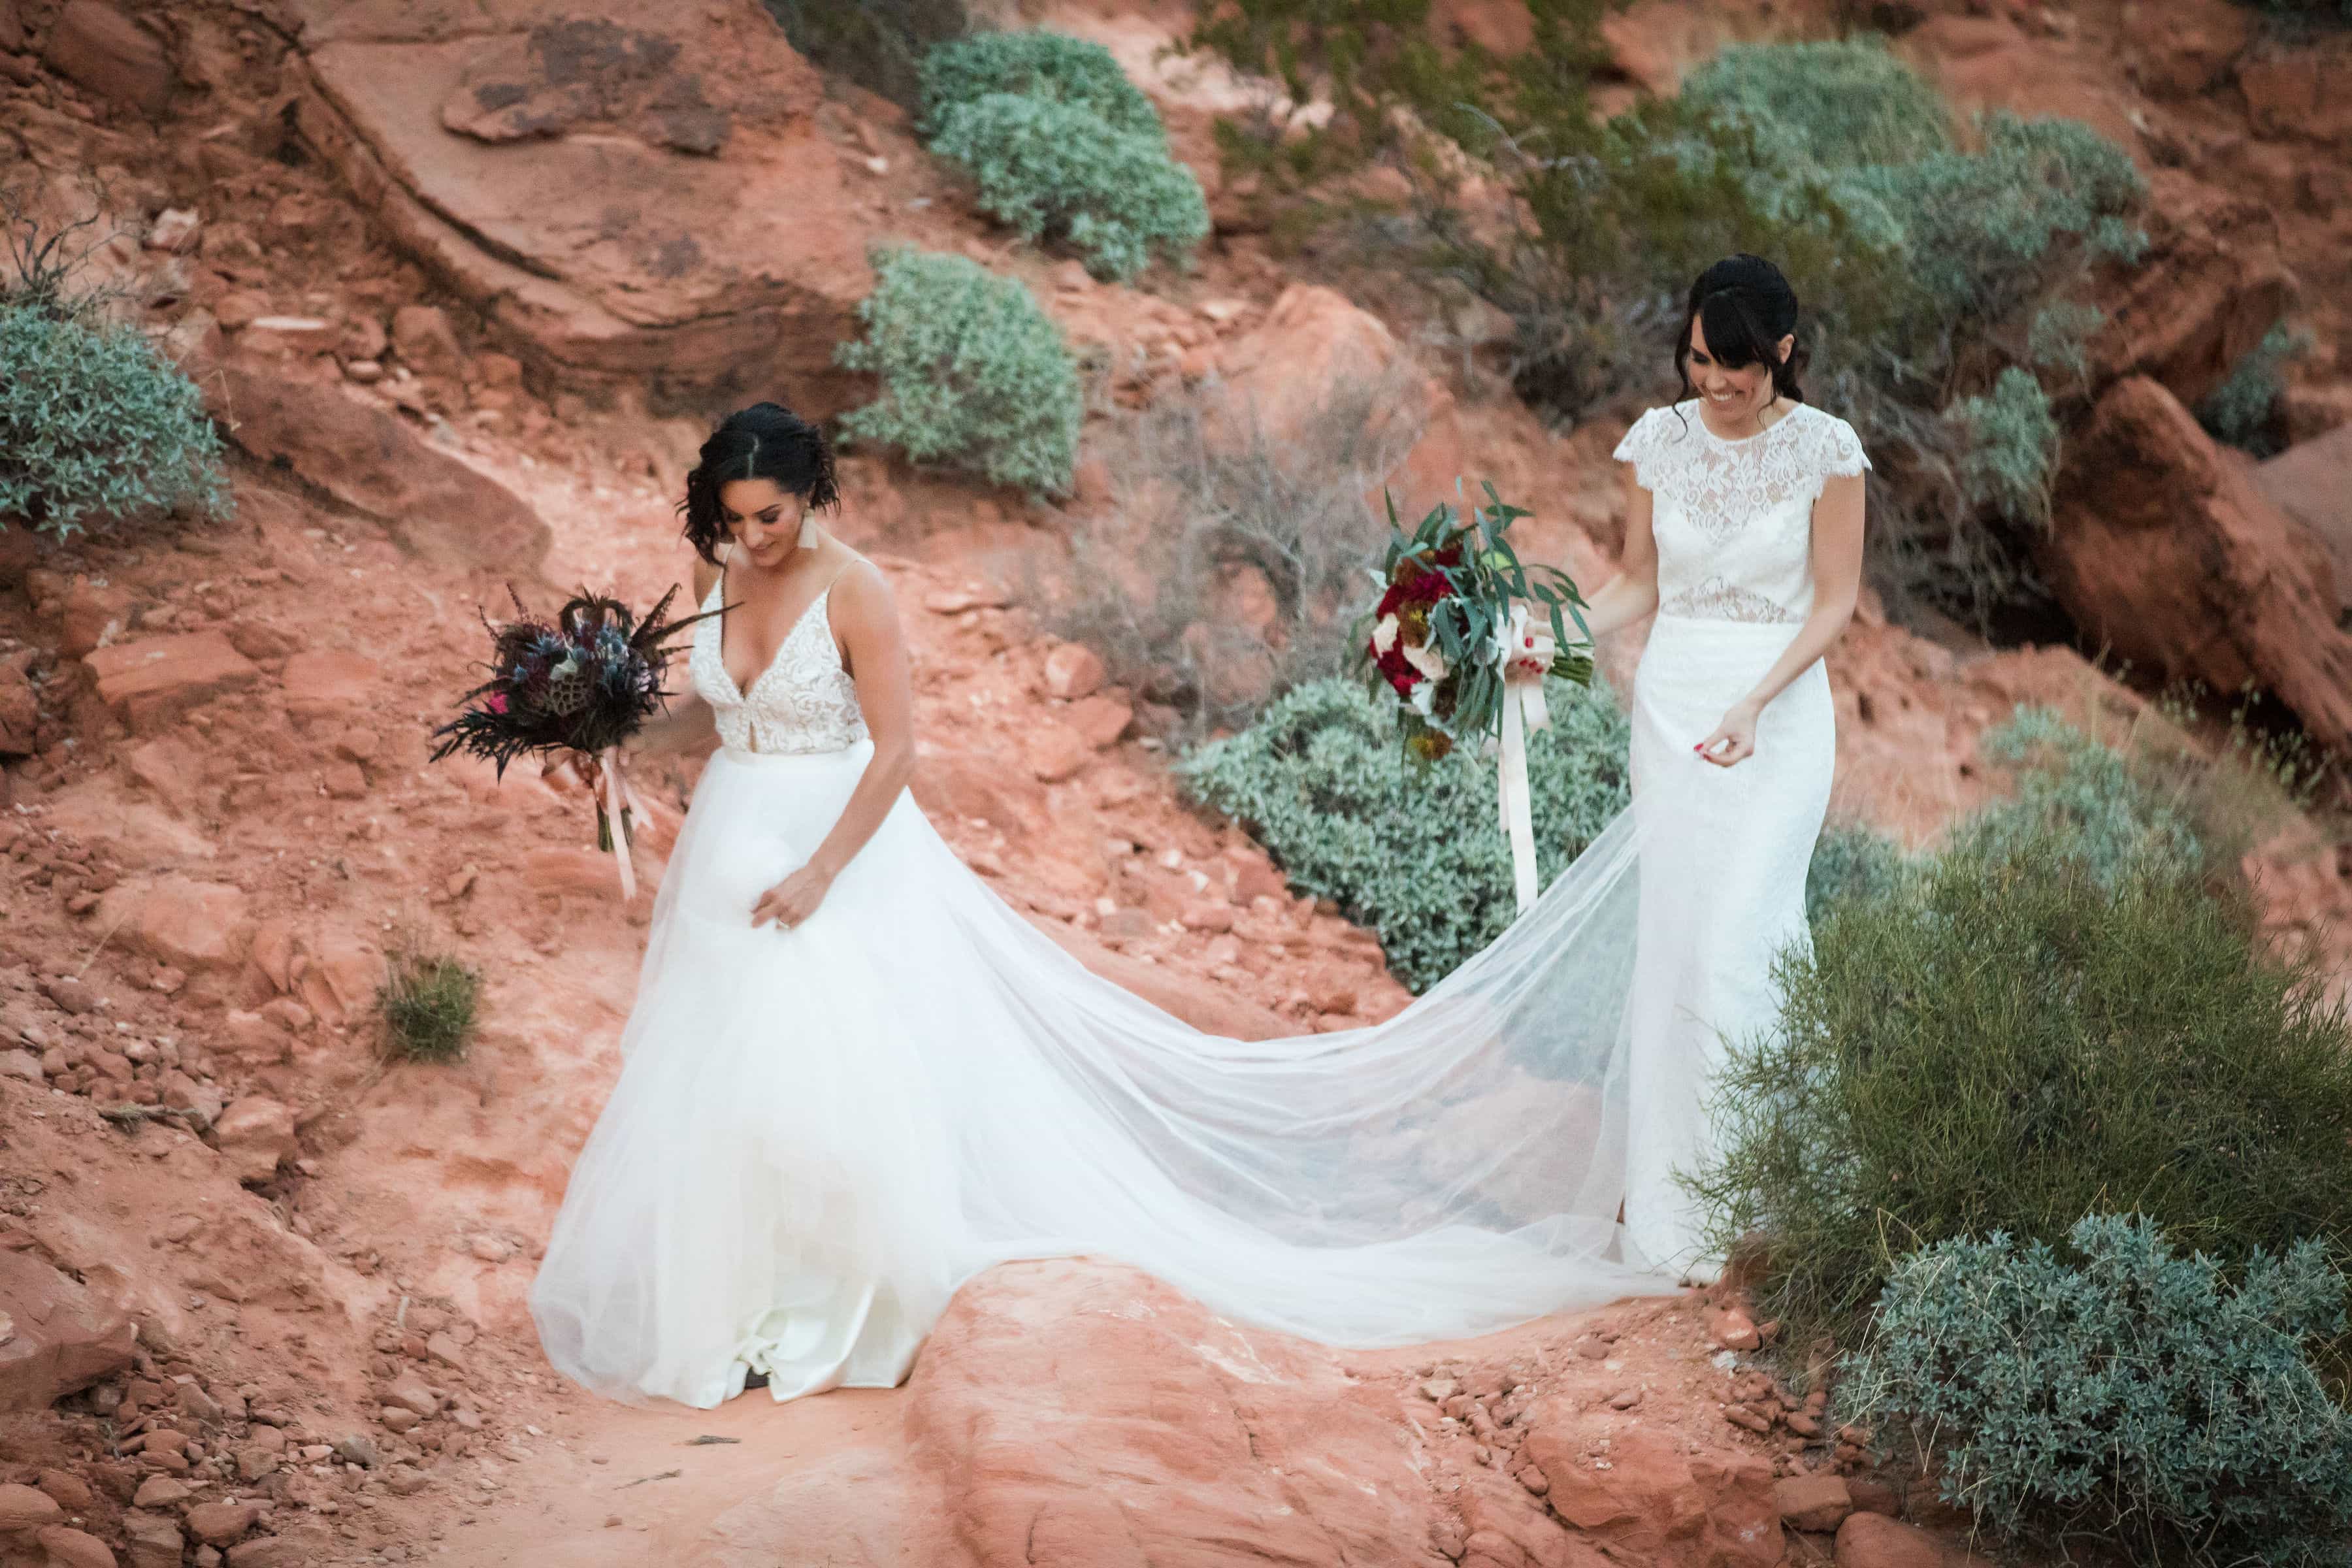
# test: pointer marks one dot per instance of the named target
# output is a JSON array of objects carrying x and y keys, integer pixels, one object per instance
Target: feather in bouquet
[
  {"x": 583, "y": 681},
  {"x": 1463, "y": 636}
]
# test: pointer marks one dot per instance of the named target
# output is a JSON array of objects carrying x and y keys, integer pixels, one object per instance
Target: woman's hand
[
  {"x": 574, "y": 769},
  {"x": 1734, "y": 740},
  {"x": 793, "y": 900}
]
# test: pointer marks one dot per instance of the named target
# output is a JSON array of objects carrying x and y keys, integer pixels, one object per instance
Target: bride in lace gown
[{"x": 853, "y": 1077}]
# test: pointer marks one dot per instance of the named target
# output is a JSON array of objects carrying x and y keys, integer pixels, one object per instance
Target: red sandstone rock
[
  {"x": 685, "y": 279},
  {"x": 1073, "y": 670},
  {"x": 149, "y": 681},
  {"x": 20, "y": 713},
  {"x": 1660, "y": 1503},
  {"x": 254, "y": 1134},
  {"x": 370, "y": 461},
  {"x": 1874, "y": 1541},
  {"x": 2311, "y": 483},
  {"x": 69, "y": 1547},
  {"x": 103, "y": 51},
  {"x": 2175, "y": 559},
  {"x": 22, "y": 1508},
  {"x": 65, "y": 1337},
  {"x": 2301, "y": 90},
  {"x": 219, "y": 1523},
  {"x": 178, "y": 921},
  {"x": 1816, "y": 1502},
  {"x": 2212, "y": 284}
]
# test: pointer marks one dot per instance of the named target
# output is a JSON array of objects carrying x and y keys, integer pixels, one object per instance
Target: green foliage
[
  {"x": 880, "y": 45},
  {"x": 1850, "y": 862},
  {"x": 1930, "y": 262},
  {"x": 1051, "y": 170},
  {"x": 2010, "y": 447},
  {"x": 2110, "y": 817},
  {"x": 1061, "y": 146},
  {"x": 974, "y": 373},
  {"x": 428, "y": 1004},
  {"x": 2136, "y": 1400},
  {"x": 2013, "y": 1037},
  {"x": 1828, "y": 101},
  {"x": 1051, "y": 68},
  {"x": 96, "y": 423},
  {"x": 1411, "y": 850},
  {"x": 1229, "y": 567},
  {"x": 2243, "y": 411}
]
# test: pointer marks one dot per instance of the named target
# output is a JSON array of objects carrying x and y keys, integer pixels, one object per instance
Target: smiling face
[
  {"x": 764, "y": 518},
  {"x": 1736, "y": 396}
]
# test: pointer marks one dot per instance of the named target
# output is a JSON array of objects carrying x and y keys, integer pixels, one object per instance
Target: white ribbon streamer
[
  {"x": 620, "y": 804},
  {"x": 1525, "y": 653}
]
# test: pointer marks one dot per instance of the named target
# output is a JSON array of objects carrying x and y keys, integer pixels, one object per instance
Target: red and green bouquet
[
  {"x": 1464, "y": 635},
  {"x": 1462, "y": 619}
]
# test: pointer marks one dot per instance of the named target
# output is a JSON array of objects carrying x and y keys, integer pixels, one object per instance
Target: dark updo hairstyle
[
  {"x": 1745, "y": 307},
  {"x": 765, "y": 441}
]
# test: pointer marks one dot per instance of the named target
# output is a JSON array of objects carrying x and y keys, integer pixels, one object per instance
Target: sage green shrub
[
  {"x": 2014, "y": 1035},
  {"x": 1060, "y": 145},
  {"x": 96, "y": 423},
  {"x": 1035, "y": 64},
  {"x": 1413, "y": 851},
  {"x": 2137, "y": 1402},
  {"x": 975, "y": 375}
]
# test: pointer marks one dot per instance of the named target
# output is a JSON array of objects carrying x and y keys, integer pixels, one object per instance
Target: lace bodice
[
  {"x": 1734, "y": 519},
  {"x": 803, "y": 701}
]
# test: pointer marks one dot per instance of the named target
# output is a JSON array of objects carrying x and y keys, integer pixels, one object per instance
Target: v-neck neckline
[{"x": 742, "y": 691}]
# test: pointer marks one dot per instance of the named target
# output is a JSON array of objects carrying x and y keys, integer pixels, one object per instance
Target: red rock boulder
[
  {"x": 2311, "y": 483},
  {"x": 368, "y": 460},
  {"x": 2171, "y": 556},
  {"x": 1658, "y": 1503},
  {"x": 2212, "y": 284},
  {"x": 59, "y": 1336},
  {"x": 724, "y": 237}
]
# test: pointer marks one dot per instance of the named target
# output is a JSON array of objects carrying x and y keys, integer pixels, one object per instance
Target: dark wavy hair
[
  {"x": 765, "y": 441},
  {"x": 1746, "y": 307}
]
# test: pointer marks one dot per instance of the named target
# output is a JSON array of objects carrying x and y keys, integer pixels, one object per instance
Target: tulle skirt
[{"x": 819, "y": 1134}]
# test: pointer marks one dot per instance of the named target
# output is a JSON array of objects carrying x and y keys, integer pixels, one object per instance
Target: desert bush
[
  {"x": 428, "y": 1004},
  {"x": 1039, "y": 65},
  {"x": 1828, "y": 99},
  {"x": 1231, "y": 567},
  {"x": 95, "y": 423},
  {"x": 2026, "y": 1029},
  {"x": 880, "y": 45},
  {"x": 1060, "y": 145},
  {"x": 2137, "y": 1400},
  {"x": 975, "y": 375},
  {"x": 1935, "y": 257},
  {"x": 1411, "y": 850},
  {"x": 1052, "y": 171},
  {"x": 2243, "y": 411},
  {"x": 1850, "y": 861},
  {"x": 2111, "y": 817}
]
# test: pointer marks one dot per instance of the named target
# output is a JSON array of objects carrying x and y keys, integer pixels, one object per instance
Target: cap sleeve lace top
[{"x": 1734, "y": 519}]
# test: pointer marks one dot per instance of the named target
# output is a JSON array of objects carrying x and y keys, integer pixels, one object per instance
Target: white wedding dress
[{"x": 819, "y": 1134}]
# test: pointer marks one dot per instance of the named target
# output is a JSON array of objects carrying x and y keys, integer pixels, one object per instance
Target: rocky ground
[{"x": 261, "y": 1289}]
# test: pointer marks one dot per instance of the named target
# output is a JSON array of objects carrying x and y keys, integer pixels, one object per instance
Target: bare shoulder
[
  {"x": 863, "y": 598},
  {"x": 705, "y": 578}
]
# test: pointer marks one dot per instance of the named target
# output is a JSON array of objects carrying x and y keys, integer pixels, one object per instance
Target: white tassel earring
[{"x": 808, "y": 531}]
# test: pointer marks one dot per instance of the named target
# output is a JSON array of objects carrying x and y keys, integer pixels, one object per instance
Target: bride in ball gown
[{"x": 853, "y": 1077}]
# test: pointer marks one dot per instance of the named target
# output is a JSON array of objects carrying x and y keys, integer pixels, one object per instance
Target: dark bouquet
[
  {"x": 1463, "y": 636},
  {"x": 583, "y": 683}
]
